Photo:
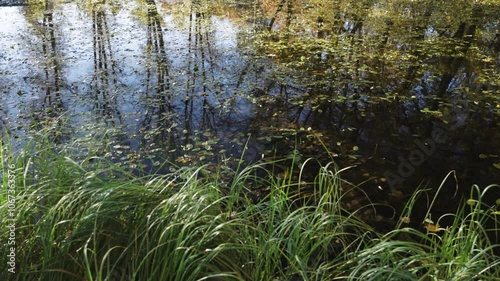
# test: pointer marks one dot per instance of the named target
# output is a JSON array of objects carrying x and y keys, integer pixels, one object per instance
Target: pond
[{"x": 402, "y": 92}]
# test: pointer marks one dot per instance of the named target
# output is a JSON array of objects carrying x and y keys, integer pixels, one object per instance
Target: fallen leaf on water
[
  {"x": 471, "y": 202},
  {"x": 405, "y": 220},
  {"x": 433, "y": 227}
]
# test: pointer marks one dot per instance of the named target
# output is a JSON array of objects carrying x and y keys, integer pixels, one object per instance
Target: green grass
[{"x": 92, "y": 220}]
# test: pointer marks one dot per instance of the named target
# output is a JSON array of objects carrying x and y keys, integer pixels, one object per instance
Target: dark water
[
  {"x": 403, "y": 100},
  {"x": 12, "y": 3}
]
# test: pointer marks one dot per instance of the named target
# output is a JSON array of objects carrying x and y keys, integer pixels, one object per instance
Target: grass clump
[
  {"x": 75, "y": 220},
  {"x": 462, "y": 251}
]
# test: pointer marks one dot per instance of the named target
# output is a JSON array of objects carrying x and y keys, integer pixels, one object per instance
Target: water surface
[{"x": 402, "y": 96}]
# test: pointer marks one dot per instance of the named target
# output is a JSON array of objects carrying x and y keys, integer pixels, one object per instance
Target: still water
[{"x": 400, "y": 99}]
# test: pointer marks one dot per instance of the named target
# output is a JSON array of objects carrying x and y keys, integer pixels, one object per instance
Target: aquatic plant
[{"x": 78, "y": 220}]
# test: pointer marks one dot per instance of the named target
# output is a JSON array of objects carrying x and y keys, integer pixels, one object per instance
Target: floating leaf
[
  {"x": 471, "y": 202},
  {"x": 396, "y": 195},
  {"x": 405, "y": 220},
  {"x": 433, "y": 227},
  {"x": 483, "y": 156},
  {"x": 496, "y": 165}
]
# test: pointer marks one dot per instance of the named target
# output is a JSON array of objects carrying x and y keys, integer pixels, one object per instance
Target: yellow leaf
[
  {"x": 433, "y": 227},
  {"x": 405, "y": 220}
]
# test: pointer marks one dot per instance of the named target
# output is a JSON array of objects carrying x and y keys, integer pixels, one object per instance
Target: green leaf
[{"x": 471, "y": 202}]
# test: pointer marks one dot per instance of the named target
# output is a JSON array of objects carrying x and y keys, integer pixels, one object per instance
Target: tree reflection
[
  {"x": 104, "y": 79},
  {"x": 338, "y": 67},
  {"x": 48, "y": 116},
  {"x": 52, "y": 70},
  {"x": 200, "y": 62},
  {"x": 160, "y": 116},
  {"x": 347, "y": 65}
]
